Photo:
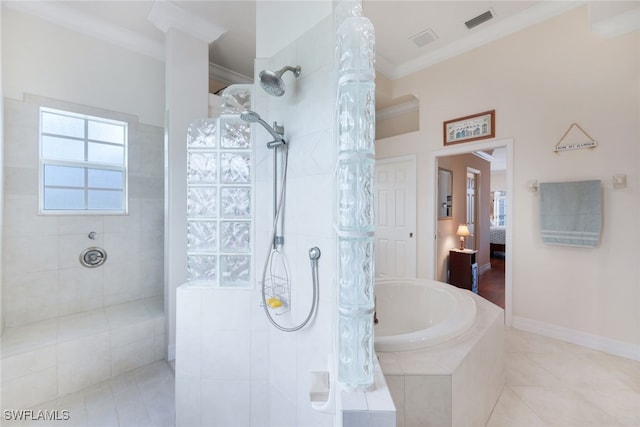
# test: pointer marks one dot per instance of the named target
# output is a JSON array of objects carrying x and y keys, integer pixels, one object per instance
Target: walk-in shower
[
  {"x": 271, "y": 81},
  {"x": 275, "y": 284}
]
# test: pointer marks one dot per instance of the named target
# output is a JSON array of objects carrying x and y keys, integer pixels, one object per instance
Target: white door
[{"x": 396, "y": 217}]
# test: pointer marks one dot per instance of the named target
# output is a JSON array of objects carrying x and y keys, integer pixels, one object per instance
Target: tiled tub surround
[
  {"x": 53, "y": 358},
  {"x": 68, "y": 326},
  {"x": 456, "y": 383}
]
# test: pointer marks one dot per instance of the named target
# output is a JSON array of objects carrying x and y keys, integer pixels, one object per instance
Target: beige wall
[{"x": 539, "y": 81}]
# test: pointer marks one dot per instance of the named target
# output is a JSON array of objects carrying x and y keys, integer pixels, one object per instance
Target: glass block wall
[
  {"x": 355, "y": 49},
  {"x": 220, "y": 195}
]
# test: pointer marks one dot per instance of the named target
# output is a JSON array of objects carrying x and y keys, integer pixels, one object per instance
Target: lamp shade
[{"x": 463, "y": 231}]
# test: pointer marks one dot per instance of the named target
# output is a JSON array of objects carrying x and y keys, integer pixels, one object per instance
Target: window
[
  {"x": 500, "y": 208},
  {"x": 83, "y": 163}
]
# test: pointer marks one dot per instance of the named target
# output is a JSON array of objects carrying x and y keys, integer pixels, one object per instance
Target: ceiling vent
[
  {"x": 424, "y": 38},
  {"x": 480, "y": 19}
]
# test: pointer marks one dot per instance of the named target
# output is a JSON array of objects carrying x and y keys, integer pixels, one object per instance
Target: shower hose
[{"x": 314, "y": 254}]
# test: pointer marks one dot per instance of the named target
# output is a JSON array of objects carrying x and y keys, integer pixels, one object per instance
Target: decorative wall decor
[
  {"x": 591, "y": 143},
  {"x": 470, "y": 128}
]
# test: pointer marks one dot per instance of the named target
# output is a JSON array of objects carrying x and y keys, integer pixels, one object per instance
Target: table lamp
[{"x": 463, "y": 231}]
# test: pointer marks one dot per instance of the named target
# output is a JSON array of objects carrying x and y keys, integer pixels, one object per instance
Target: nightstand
[{"x": 463, "y": 269}]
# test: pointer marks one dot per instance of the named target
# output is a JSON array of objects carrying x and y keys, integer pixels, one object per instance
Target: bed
[{"x": 496, "y": 239}]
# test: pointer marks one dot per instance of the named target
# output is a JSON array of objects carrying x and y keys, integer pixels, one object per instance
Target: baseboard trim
[
  {"x": 595, "y": 342},
  {"x": 484, "y": 268}
]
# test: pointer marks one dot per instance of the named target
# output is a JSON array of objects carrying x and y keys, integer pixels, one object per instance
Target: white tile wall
[
  {"x": 306, "y": 110},
  {"x": 17, "y": 366},
  {"x": 83, "y": 362},
  {"x": 231, "y": 345},
  {"x": 51, "y": 244},
  {"x": 32, "y": 289},
  {"x": 228, "y": 403},
  {"x": 82, "y": 324},
  {"x": 76, "y": 351},
  {"x": 188, "y": 400},
  {"x": 30, "y": 389},
  {"x": 79, "y": 289},
  {"x": 61, "y": 332},
  {"x": 214, "y": 359},
  {"x": 254, "y": 363},
  {"x": 133, "y": 355},
  {"x": 19, "y": 224}
]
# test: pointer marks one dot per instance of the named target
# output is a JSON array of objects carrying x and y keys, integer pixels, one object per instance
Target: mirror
[{"x": 445, "y": 185}]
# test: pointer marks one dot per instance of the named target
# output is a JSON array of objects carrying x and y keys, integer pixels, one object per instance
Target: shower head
[
  {"x": 250, "y": 116},
  {"x": 271, "y": 81},
  {"x": 253, "y": 117}
]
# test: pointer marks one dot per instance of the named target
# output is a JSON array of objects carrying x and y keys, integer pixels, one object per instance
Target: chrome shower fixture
[
  {"x": 314, "y": 253},
  {"x": 272, "y": 81},
  {"x": 277, "y": 132}
]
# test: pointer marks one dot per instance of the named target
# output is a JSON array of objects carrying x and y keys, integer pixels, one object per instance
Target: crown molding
[
  {"x": 228, "y": 76},
  {"x": 59, "y": 14},
  {"x": 166, "y": 15},
  {"x": 531, "y": 16},
  {"x": 384, "y": 66},
  {"x": 398, "y": 110},
  {"x": 618, "y": 25}
]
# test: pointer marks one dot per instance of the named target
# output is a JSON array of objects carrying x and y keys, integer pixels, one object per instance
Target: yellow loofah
[{"x": 274, "y": 302}]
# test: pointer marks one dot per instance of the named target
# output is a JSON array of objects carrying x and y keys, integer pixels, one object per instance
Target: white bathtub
[{"x": 418, "y": 313}]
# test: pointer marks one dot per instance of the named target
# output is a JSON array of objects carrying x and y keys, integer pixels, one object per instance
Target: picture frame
[{"x": 470, "y": 128}]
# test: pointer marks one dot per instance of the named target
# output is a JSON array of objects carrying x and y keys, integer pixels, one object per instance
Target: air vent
[
  {"x": 480, "y": 19},
  {"x": 424, "y": 38}
]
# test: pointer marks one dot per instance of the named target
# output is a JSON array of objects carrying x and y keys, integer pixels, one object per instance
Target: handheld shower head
[
  {"x": 272, "y": 81},
  {"x": 250, "y": 116},
  {"x": 253, "y": 117}
]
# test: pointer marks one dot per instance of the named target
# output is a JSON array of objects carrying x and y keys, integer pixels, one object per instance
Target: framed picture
[{"x": 470, "y": 128}]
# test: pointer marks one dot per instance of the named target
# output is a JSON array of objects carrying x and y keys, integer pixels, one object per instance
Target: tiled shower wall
[
  {"x": 307, "y": 112},
  {"x": 232, "y": 366},
  {"x": 42, "y": 276}
]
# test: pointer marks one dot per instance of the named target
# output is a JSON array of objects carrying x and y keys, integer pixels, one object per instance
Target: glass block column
[
  {"x": 220, "y": 195},
  {"x": 355, "y": 50}
]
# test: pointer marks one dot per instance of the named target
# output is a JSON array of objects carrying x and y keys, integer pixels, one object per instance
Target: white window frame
[
  {"x": 500, "y": 197},
  {"x": 86, "y": 164}
]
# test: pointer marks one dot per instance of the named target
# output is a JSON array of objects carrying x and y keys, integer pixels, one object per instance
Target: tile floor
[
  {"x": 142, "y": 397},
  {"x": 549, "y": 384},
  {"x": 555, "y": 384}
]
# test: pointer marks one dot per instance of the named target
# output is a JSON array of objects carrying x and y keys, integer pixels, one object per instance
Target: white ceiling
[{"x": 395, "y": 21}]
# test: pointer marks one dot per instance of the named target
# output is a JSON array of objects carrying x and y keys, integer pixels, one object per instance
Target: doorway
[
  {"x": 438, "y": 252},
  {"x": 473, "y": 176}
]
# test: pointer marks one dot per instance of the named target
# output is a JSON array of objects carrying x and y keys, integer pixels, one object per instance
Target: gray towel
[{"x": 571, "y": 213}]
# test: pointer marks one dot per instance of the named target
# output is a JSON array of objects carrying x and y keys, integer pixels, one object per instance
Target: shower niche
[{"x": 220, "y": 195}]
